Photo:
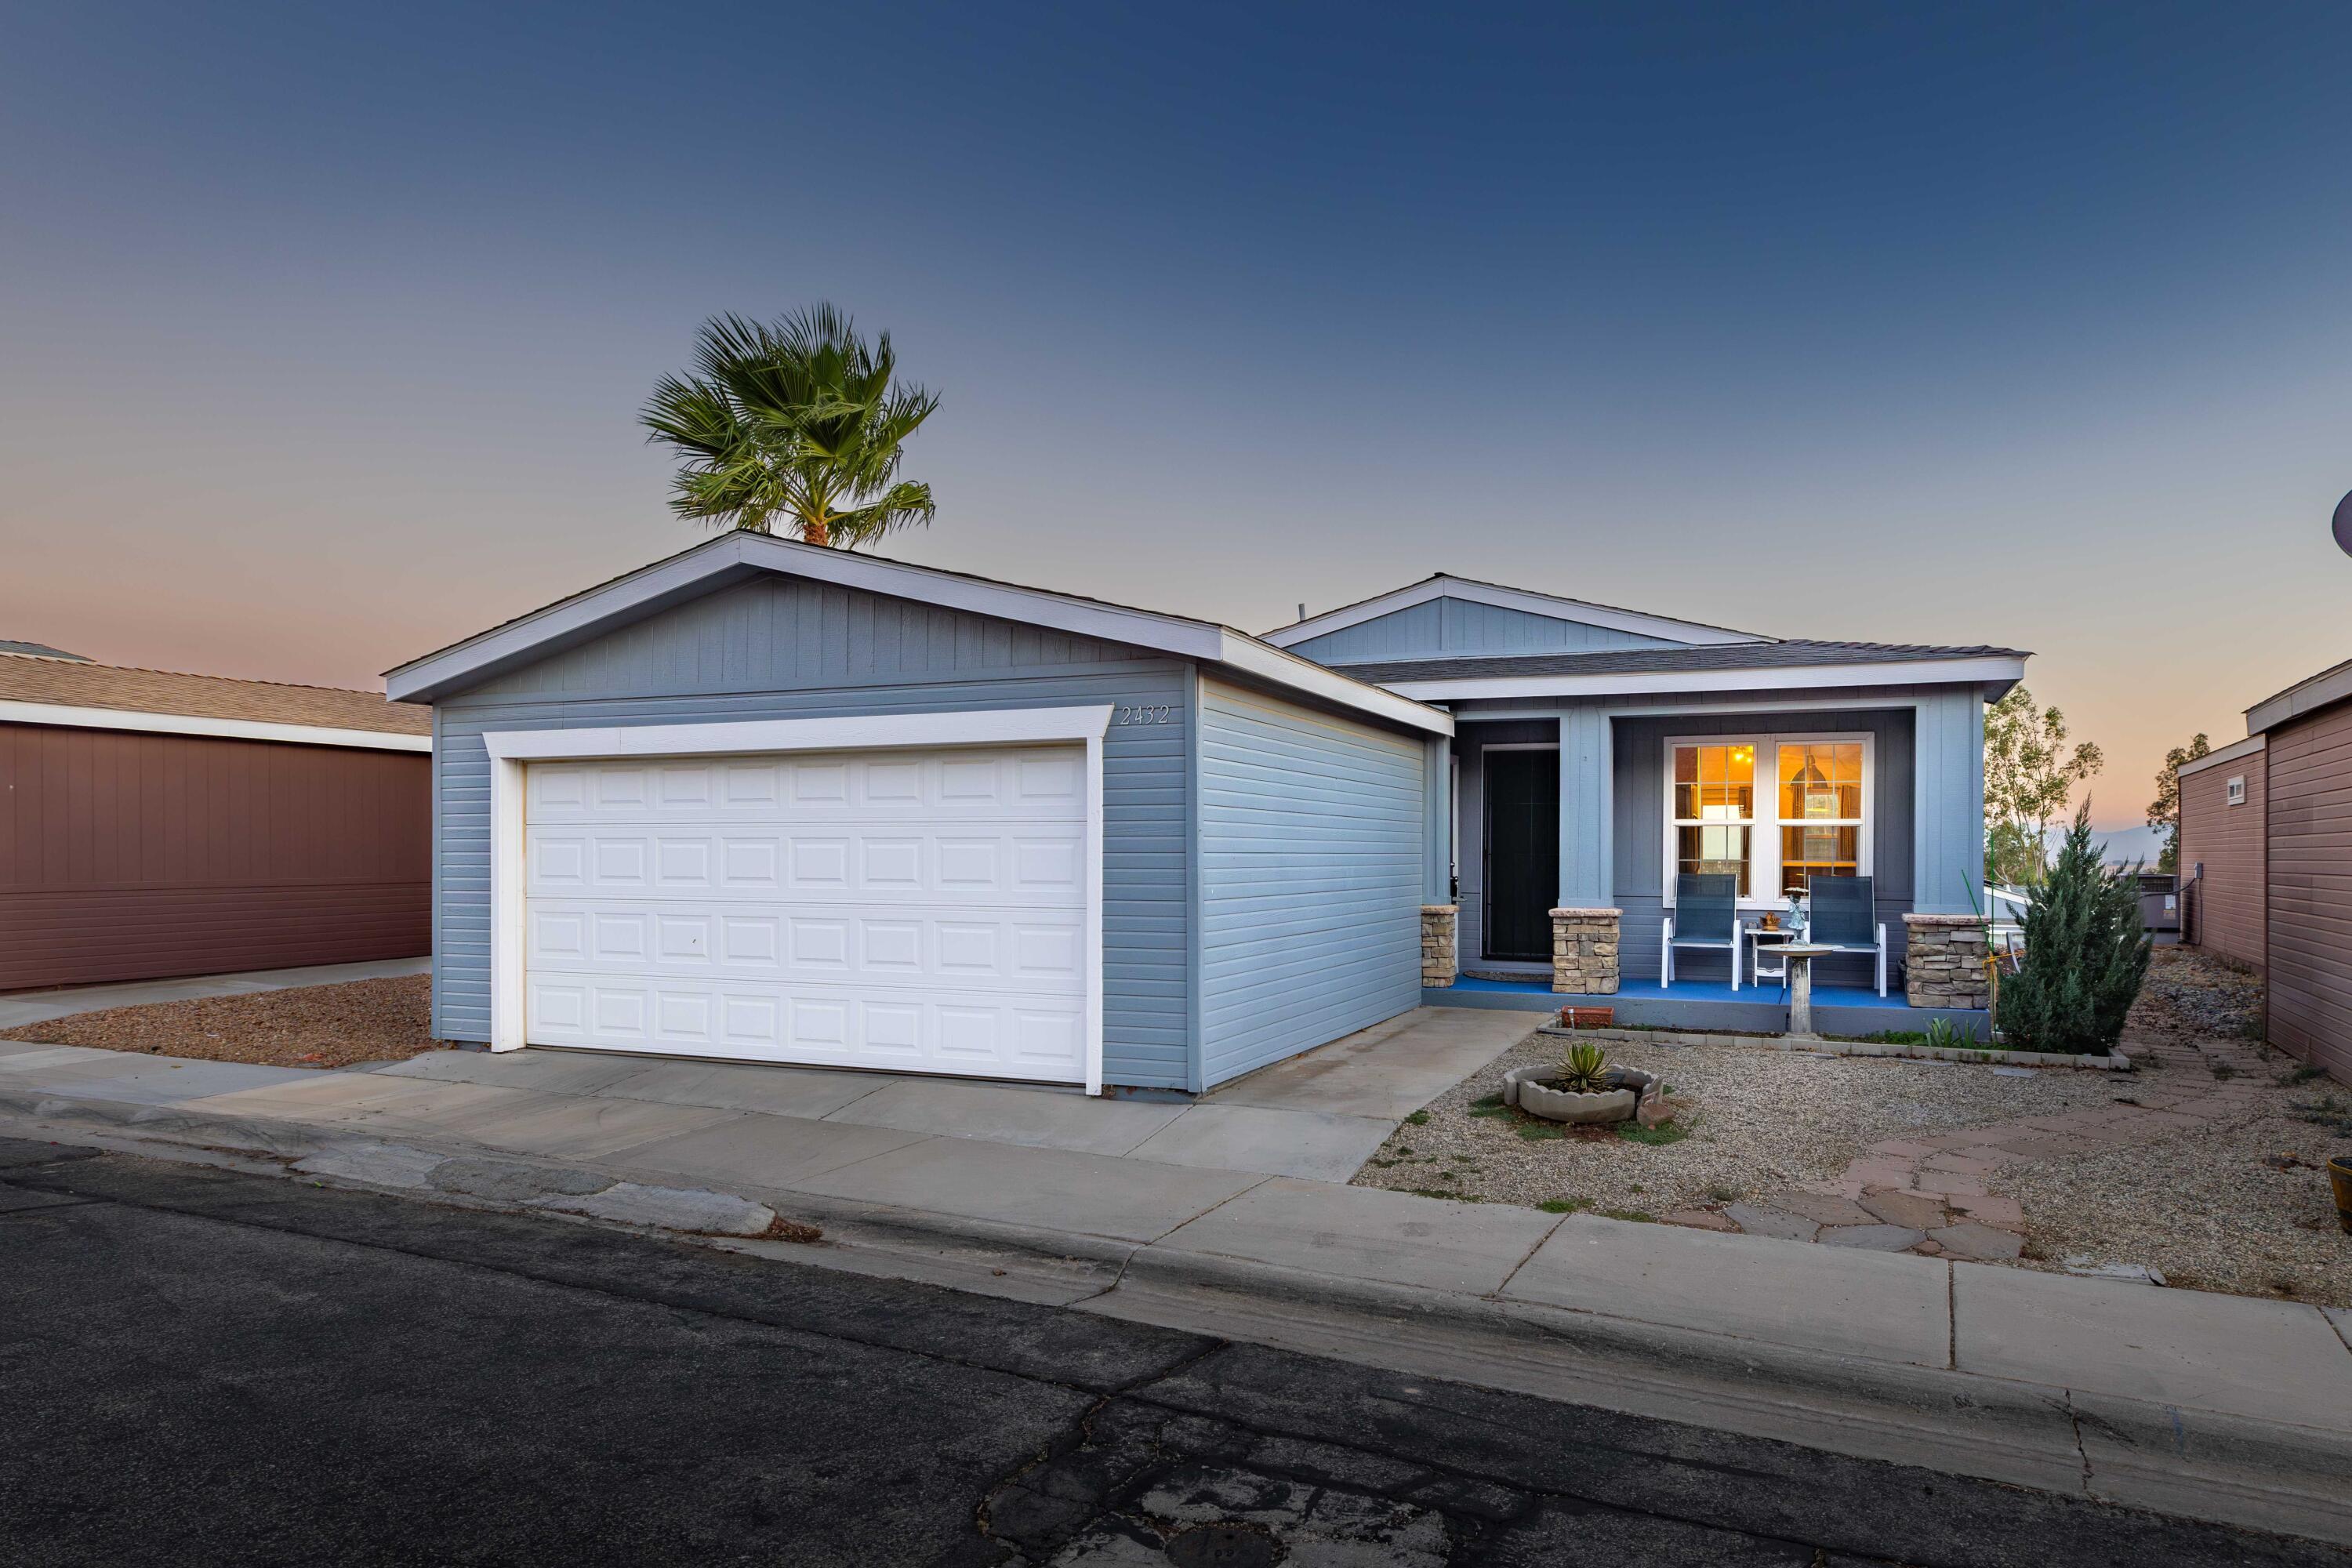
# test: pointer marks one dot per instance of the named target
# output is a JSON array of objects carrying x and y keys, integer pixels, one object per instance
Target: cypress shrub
[{"x": 2085, "y": 954}]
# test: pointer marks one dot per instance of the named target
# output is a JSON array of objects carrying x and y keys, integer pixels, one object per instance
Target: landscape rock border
[{"x": 1821, "y": 1045}]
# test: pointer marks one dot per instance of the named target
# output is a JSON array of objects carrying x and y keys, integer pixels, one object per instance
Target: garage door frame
[{"x": 511, "y": 750}]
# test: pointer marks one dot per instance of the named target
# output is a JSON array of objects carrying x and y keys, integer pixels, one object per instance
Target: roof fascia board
[
  {"x": 669, "y": 581},
  {"x": 1252, "y": 656},
  {"x": 66, "y": 716},
  {"x": 2005, "y": 672},
  {"x": 1549, "y": 605},
  {"x": 2229, "y": 753},
  {"x": 2328, "y": 686}
]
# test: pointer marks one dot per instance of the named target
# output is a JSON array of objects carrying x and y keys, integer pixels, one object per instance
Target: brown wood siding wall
[
  {"x": 2227, "y": 899},
  {"x": 2310, "y": 963},
  {"x": 126, "y": 856}
]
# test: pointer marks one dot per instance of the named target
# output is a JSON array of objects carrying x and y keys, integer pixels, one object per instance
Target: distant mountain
[{"x": 2122, "y": 845}]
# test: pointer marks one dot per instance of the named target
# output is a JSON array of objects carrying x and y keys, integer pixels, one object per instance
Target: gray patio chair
[
  {"x": 1705, "y": 914},
  {"x": 1845, "y": 917}
]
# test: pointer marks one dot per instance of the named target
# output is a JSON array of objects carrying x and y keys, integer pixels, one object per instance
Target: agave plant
[{"x": 1582, "y": 1069}]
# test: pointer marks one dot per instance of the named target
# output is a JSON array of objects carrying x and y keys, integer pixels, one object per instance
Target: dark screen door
[{"x": 1522, "y": 852}]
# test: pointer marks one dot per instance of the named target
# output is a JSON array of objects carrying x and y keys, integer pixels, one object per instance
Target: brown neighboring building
[
  {"x": 155, "y": 824},
  {"x": 2266, "y": 857}
]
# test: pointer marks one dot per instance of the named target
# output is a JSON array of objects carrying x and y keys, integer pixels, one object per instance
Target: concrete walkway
[
  {"x": 2209, "y": 1405},
  {"x": 22, "y": 1007}
]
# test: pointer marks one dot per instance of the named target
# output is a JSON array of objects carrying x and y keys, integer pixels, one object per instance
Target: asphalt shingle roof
[
  {"x": 68, "y": 684},
  {"x": 1788, "y": 652}
]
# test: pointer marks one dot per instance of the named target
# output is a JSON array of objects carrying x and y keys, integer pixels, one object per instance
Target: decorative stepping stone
[
  {"x": 1758, "y": 1221},
  {"x": 1699, "y": 1220},
  {"x": 1872, "y": 1237},
  {"x": 1917, "y": 1211},
  {"x": 1825, "y": 1208},
  {"x": 1979, "y": 1241}
]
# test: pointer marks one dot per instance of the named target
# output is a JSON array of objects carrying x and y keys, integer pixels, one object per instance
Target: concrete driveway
[{"x": 1318, "y": 1117}]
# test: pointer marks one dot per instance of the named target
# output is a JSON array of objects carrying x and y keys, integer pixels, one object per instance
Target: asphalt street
[{"x": 201, "y": 1367}]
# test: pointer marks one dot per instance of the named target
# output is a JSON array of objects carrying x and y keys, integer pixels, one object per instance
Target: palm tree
[{"x": 793, "y": 427}]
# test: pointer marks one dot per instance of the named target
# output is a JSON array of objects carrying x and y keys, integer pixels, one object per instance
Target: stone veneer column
[
  {"x": 1584, "y": 951},
  {"x": 1944, "y": 961},
  {"x": 1437, "y": 961}
]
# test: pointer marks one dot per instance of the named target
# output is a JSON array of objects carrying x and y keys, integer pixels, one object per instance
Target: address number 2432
[{"x": 1160, "y": 715}]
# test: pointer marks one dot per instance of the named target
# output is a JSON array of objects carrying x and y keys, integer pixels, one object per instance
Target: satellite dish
[{"x": 2344, "y": 524}]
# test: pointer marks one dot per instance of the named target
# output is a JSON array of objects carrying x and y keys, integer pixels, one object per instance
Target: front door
[{"x": 1522, "y": 852}]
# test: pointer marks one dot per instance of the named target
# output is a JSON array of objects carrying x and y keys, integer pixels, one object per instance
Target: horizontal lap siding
[
  {"x": 1310, "y": 842},
  {"x": 2310, "y": 903},
  {"x": 126, "y": 856},
  {"x": 2227, "y": 897},
  {"x": 787, "y": 649}
]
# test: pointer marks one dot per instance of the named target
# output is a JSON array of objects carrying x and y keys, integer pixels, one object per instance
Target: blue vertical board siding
[
  {"x": 1461, "y": 626},
  {"x": 789, "y": 649},
  {"x": 1641, "y": 813},
  {"x": 1311, "y": 873},
  {"x": 1926, "y": 800}
]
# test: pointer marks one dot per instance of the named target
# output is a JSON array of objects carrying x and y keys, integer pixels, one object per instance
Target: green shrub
[
  {"x": 2084, "y": 954},
  {"x": 1580, "y": 1068}
]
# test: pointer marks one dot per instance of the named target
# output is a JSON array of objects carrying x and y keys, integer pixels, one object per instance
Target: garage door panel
[
  {"x": 952, "y": 1029},
  {"x": 911, "y": 911}
]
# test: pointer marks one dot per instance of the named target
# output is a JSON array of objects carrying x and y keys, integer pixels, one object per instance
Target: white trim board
[
  {"x": 2229, "y": 753},
  {"x": 1552, "y": 604},
  {"x": 62, "y": 716},
  {"x": 1892, "y": 672},
  {"x": 735, "y": 554},
  {"x": 512, "y": 750}
]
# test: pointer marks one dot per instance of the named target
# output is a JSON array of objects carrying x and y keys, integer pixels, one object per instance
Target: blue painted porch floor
[{"x": 1697, "y": 991}]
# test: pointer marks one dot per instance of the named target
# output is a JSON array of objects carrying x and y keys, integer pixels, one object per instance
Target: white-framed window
[
  {"x": 1776, "y": 811},
  {"x": 2237, "y": 788}
]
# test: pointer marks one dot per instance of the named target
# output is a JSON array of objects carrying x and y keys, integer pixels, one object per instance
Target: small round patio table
[{"x": 1798, "y": 956}]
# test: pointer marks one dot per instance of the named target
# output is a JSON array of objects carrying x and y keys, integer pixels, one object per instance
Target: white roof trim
[
  {"x": 455, "y": 666},
  {"x": 2229, "y": 753},
  {"x": 71, "y": 717},
  {"x": 1552, "y": 604},
  {"x": 1904, "y": 672},
  {"x": 2328, "y": 686}
]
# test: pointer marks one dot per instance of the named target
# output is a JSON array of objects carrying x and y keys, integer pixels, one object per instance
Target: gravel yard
[
  {"x": 307, "y": 1025},
  {"x": 2235, "y": 1200},
  {"x": 1757, "y": 1121},
  {"x": 2242, "y": 1207}
]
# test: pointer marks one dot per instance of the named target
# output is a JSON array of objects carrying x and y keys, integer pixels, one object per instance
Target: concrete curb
[{"x": 2171, "y": 1459}]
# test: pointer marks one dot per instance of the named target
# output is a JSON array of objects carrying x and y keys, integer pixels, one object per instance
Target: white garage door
[{"x": 914, "y": 910}]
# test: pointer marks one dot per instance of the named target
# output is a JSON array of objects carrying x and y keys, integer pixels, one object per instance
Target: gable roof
[
  {"x": 741, "y": 556},
  {"x": 1444, "y": 586},
  {"x": 83, "y": 695},
  {"x": 1786, "y": 662}
]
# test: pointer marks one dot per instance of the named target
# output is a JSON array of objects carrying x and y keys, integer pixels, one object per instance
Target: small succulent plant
[
  {"x": 1582, "y": 1069},
  {"x": 1944, "y": 1035}
]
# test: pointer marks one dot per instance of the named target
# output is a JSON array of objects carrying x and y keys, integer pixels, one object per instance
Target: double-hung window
[
  {"x": 1821, "y": 812},
  {"x": 1714, "y": 809},
  {"x": 1811, "y": 818}
]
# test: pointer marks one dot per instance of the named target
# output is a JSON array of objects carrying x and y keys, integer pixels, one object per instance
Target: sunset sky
[{"x": 323, "y": 329}]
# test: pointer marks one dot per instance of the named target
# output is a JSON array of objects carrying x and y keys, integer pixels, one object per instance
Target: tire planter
[{"x": 1526, "y": 1087}]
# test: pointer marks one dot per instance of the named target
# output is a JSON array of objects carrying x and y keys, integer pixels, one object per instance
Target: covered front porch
[{"x": 1570, "y": 822}]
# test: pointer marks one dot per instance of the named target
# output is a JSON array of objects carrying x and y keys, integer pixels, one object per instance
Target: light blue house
[
  {"x": 1599, "y": 754},
  {"x": 767, "y": 802}
]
